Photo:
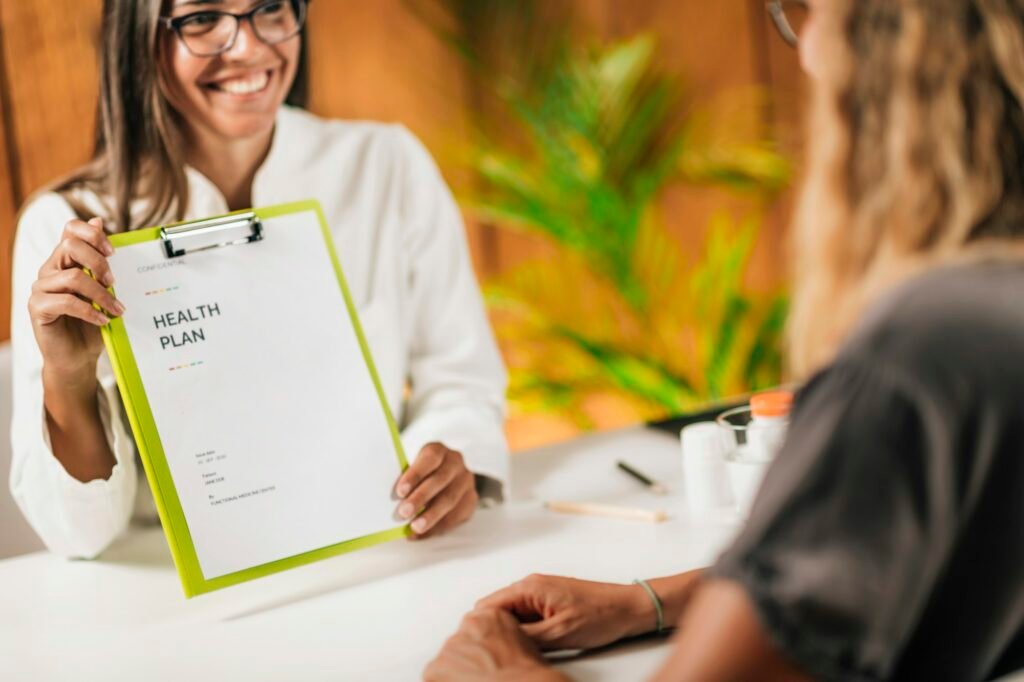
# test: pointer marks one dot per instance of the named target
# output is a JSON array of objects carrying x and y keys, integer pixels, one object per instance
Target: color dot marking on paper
[
  {"x": 154, "y": 292},
  {"x": 185, "y": 366}
]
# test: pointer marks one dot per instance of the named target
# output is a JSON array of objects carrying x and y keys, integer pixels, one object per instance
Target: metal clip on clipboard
[{"x": 211, "y": 233}]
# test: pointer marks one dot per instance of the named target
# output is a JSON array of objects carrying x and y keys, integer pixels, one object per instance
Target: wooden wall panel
[
  {"x": 377, "y": 61},
  {"x": 49, "y": 49},
  {"x": 8, "y": 209},
  {"x": 49, "y": 85}
]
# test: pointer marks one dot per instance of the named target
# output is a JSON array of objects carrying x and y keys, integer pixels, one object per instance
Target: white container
[
  {"x": 765, "y": 436},
  {"x": 745, "y": 478},
  {"x": 769, "y": 421},
  {"x": 757, "y": 434},
  {"x": 705, "y": 447}
]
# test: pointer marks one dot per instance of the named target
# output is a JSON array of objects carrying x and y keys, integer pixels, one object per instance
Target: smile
[{"x": 245, "y": 85}]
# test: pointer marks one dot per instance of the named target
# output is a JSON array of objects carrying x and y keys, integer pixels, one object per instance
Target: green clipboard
[{"x": 151, "y": 449}]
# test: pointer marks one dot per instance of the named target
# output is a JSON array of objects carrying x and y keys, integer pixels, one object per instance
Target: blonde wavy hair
[{"x": 916, "y": 155}]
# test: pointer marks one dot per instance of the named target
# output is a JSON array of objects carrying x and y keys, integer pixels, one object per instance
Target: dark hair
[{"x": 137, "y": 153}]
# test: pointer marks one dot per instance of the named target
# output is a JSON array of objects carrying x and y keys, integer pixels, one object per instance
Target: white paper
[{"x": 273, "y": 431}]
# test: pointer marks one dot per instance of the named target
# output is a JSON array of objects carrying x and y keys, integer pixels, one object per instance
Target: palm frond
[{"x": 574, "y": 147}]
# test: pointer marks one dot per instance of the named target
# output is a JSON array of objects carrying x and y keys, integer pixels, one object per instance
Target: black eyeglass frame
[
  {"x": 777, "y": 10},
  {"x": 175, "y": 24}
]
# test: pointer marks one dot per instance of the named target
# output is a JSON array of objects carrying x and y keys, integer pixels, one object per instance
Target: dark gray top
[{"x": 888, "y": 539}]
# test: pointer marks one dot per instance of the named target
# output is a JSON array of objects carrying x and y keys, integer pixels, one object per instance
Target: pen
[
  {"x": 652, "y": 485},
  {"x": 607, "y": 510}
]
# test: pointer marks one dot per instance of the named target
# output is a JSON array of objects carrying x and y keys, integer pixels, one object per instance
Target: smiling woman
[
  {"x": 157, "y": 101},
  {"x": 224, "y": 98},
  {"x": 199, "y": 114}
]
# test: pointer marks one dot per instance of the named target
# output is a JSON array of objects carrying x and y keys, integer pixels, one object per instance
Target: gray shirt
[{"x": 887, "y": 541}]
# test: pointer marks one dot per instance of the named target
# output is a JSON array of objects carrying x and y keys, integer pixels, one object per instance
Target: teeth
[{"x": 245, "y": 86}]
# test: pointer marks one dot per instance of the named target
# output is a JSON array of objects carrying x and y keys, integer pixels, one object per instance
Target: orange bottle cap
[{"x": 771, "y": 404}]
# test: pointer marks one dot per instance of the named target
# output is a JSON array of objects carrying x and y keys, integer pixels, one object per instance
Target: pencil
[
  {"x": 652, "y": 485},
  {"x": 607, "y": 510}
]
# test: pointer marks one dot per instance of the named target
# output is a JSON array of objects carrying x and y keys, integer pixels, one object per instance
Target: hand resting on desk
[
  {"x": 502, "y": 637},
  {"x": 565, "y": 613},
  {"x": 508, "y": 628},
  {"x": 490, "y": 647}
]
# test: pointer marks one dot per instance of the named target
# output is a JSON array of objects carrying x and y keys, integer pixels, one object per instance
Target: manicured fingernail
[
  {"x": 118, "y": 308},
  {"x": 103, "y": 319},
  {"x": 419, "y": 525},
  {"x": 403, "y": 490},
  {"x": 108, "y": 279},
  {"x": 108, "y": 248},
  {"x": 406, "y": 510}
]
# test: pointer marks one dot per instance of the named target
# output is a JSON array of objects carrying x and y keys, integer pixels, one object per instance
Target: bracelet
[{"x": 657, "y": 603}]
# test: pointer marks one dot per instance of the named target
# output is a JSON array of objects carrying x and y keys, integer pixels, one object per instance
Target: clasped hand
[{"x": 502, "y": 637}]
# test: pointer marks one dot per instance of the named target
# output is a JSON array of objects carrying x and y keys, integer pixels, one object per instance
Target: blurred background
[{"x": 625, "y": 170}]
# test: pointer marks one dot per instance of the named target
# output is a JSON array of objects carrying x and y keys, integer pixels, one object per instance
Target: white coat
[{"x": 400, "y": 239}]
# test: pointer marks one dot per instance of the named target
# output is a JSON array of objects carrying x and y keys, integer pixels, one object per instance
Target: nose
[{"x": 246, "y": 44}]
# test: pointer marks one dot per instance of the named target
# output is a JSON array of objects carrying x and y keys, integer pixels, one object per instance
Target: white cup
[
  {"x": 705, "y": 448},
  {"x": 745, "y": 477}
]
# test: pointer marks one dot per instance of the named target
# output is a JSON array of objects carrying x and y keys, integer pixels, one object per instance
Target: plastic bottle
[
  {"x": 769, "y": 421},
  {"x": 705, "y": 446}
]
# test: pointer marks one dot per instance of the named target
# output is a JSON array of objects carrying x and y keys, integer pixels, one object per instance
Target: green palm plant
[
  {"x": 575, "y": 148},
  {"x": 569, "y": 333}
]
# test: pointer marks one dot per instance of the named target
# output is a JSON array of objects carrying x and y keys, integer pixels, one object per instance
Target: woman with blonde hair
[{"x": 887, "y": 541}]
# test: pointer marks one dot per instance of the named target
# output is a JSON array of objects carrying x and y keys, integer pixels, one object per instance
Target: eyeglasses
[
  {"x": 789, "y": 17},
  {"x": 213, "y": 32}
]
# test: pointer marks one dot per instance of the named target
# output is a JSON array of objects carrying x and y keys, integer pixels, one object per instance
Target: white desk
[{"x": 378, "y": 614}]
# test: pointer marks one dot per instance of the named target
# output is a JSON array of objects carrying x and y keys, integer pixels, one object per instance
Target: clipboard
[{"x": 207, "y": 240}]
